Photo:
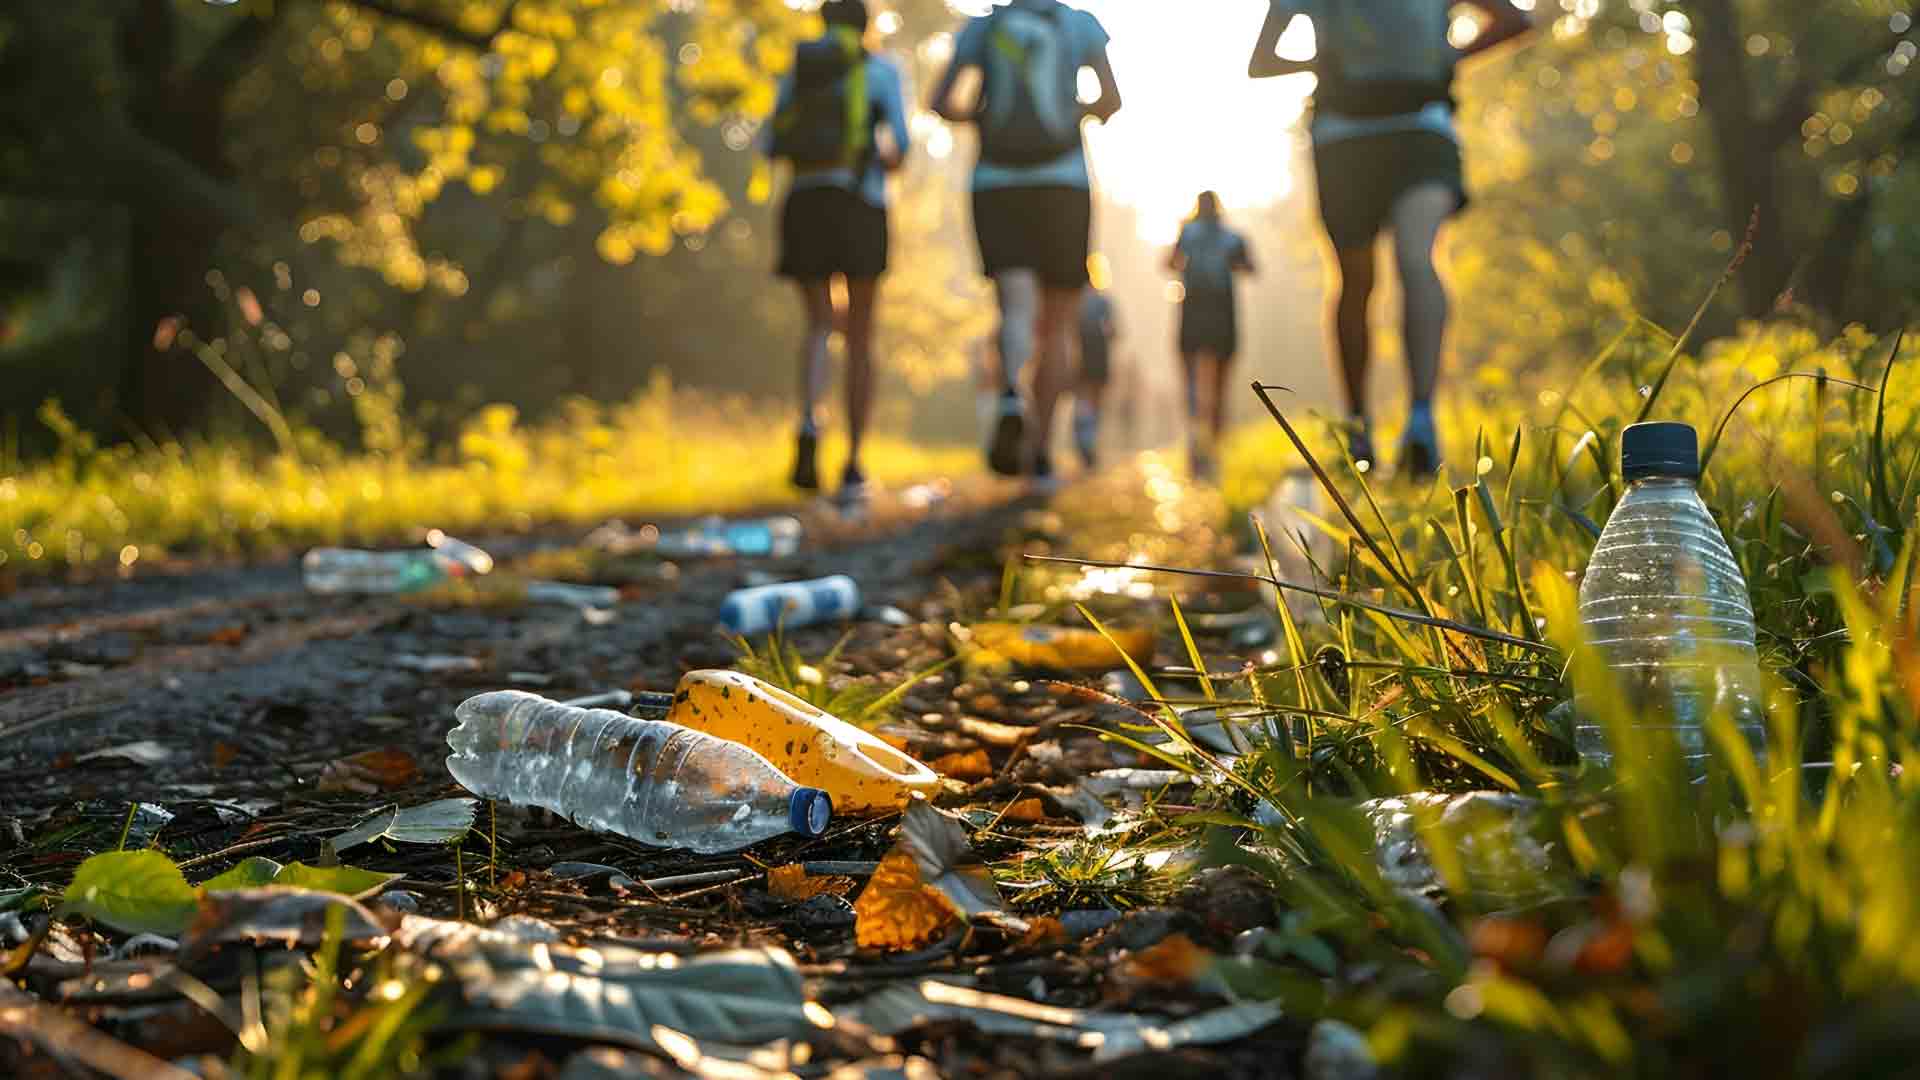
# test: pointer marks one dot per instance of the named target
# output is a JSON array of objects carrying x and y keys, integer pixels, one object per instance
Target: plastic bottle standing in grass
[
  {"x": 776, "y": 537},
  {"x": 857, "y": 768},
  {"x": 1665, "y": 603},
  {"x": 790, "y": 604},
  {"x": 651, "y": 780}
]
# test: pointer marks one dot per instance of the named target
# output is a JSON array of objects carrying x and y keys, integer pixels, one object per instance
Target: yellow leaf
[
  {"x": 972, "y": 765},
  {"x": 895, "y": 911},
  {"x": 792, "y": 883}
]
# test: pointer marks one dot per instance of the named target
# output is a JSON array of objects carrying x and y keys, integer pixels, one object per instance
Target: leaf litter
[{"x": 622, "y": 952}]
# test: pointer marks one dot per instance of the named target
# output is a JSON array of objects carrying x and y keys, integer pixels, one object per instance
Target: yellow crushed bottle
[
  {"x": 861, "y": 772},
  {"x": 1063, "y": 648}
]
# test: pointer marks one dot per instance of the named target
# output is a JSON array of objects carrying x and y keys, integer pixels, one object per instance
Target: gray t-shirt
[
  {"x": 1087, "y": 38},
  {"x": 1422, "y": 30}
]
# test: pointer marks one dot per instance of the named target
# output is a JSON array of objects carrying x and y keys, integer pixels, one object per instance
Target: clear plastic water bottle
[
  {"x": 776, "y": 537},
  {"x": 570, "y": 595},
  {"x": 1665, "y": 603},
  {"x": 341, "y": 570},
  {"x": 654, "y": 781},
  {"x": 790, "y": 604}
]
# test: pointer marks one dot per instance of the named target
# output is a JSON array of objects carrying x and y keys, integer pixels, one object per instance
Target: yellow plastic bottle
[
  {"x": 862, "y": 773},
  {"x": 1063, "y": 648}
]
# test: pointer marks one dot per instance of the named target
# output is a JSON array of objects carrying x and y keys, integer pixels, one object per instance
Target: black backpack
[
  {"x": 828, "y": 120},
  {"x": 1030, "y": 109}
]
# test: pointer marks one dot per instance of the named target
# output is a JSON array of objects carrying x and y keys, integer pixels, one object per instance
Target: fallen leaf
[
  {"x": 228, "y": 635},
  {"x": 133, "y": 891},
  {"x": 257, "y": 872},
  {"x": 895, "y": 911},
  {"x": 792, "y": 883},
  {"x": 972, "y": 765},
  {"x": 1514, "y": 944},
  {"x": 898, "y": 742},
  {"x": 1608, "y": 952},
  {"x": 283, "y": 915},
  {"x": 370, "y": 771},
  {"x": 144, "y": 752},
  {"x": 224, "y": 753},
  {"x": 1175, "y": 960},
  {"x": 930, "y": 880},
  {"x": 1029, "y": 810},
  {"x": 439, "y": 822},
  {"x": 1045, "y": 930}
]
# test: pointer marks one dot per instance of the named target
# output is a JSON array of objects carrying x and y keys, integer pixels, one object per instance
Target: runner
[
  {"x": 1098, "y": 329},
  {"x": 842, "y": 124},
  {"x": 1207, "y": 257},
  {"x": 1387, "y": 156},
  {"x": 1032, "y": 199}
]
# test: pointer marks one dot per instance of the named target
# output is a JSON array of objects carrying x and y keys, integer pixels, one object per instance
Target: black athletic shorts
[
  {"x": 1209, "y": 324},
  {"x": 827, "y": 231},
  {"x": 1096, "y": 366},
  {"x": 1043, "y": 229},
  {"x": 1361, "y": 180}
]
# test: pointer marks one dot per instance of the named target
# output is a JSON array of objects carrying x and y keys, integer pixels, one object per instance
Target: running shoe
[
  {"x": 1360, "y": 442},
  {"x": 854, "y": 489},
  {"x": 1420, "y": 447},
  {"x": 806, "y": 471},
  {"x": 1009, "y": 433},
  {"x": 1041, "y": 479}
]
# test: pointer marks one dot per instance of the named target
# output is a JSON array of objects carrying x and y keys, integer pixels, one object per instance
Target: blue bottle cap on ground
[
  {"x": 809, "y": 811},
  {"x": 1660, "y": 449}
]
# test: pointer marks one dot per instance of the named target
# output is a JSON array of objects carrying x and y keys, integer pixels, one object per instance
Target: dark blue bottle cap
[
  {"x": 809, "y": 811},
  {"x": 1660, "y": 449}
]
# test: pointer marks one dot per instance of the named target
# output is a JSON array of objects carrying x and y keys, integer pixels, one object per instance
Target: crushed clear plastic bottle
[
  {"x": 790, "y": 604},
  {"x": 330, "y": 571},
  {"x": 1665, "y": 604},
  {"x": 650, "y": 780},
  {"x": 714, "y": 537}
]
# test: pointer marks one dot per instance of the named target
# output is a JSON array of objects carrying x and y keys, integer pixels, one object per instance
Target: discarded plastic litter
[
  {"x": 1063, "y": 648},
  {"x": 861, "y": 772},
  {"x": 331, "y": 571},
  {"x": 654, "y": 781},
  {"x": 581, "y": 596},
  {"x": 1665, "y": 604},
  {"x": 775, "y": 537},
  {"x": 790, "y": 604},
  {"x": 473, "y": 558}
]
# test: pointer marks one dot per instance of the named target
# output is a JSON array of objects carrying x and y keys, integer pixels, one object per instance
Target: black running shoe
[
  {"x": 806, "y": 471},
  {"x": 1420, "y": 449},
  {"x": 854, "y": 490},
  {"x": 1009, "y": 433}
]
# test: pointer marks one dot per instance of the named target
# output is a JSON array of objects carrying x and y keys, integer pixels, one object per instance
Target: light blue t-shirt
[
  {"x": 1087, "y": 38},
  {"x": 1213, "y": 253},
  {"x": 886, "y": 96}
]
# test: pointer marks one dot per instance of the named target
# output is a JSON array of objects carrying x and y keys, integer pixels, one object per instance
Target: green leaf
[
  {"x": 441, "y": 822},
  {"x": 249, "y": 873},
  {"x": 133, "y": 891},
  {"x": 345, "y": 880}
]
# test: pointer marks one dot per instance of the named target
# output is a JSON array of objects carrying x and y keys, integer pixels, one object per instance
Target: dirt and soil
[{"x": 227, "y": 702}]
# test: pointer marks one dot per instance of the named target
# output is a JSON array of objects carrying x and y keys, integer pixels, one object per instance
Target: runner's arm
[
  {"x": 1109, "y": 101},
  {"x": 1506, "y": 22},
  {"x": 1176, "y": 259},
  {"x": 894, "y": 106},
  {"x": 1243, "y": 260},
  {"x": 941, "y": 102},
  {"x": 1267, "y": 62}
]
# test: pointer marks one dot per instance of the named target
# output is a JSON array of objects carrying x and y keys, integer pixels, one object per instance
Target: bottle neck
[{"x": 1664, "y": 482}]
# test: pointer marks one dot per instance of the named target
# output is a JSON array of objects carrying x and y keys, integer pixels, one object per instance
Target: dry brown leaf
[
  {"x": 898, "y": 742},
  {"x": 1045, "y": 930},
  {"x": 792, "y": 883},
  {"x": 370, "y": 771},
  {"x": 224, "y": 753},
  {"x": 895, "y": 911},
  {"x": 1029, "y": 810},
  {"x": 1175, "y": 960},
  {"x": 228, "y": 635},
  {"x": 971, "y": 765}
]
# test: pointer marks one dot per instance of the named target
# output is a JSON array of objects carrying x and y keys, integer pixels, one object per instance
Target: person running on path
[
  {"x": 1032, "y": 199},
  {"x": 1387, "y": 157},
  {"x": 1208, "y": 257},
  {"x": 842, "y": 123},
  {"x": 1099, "y": 326}
]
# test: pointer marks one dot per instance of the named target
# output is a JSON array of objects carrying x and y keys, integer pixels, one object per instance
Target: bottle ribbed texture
[
  {"x": 654, "y": 781},
  {"x": 1666, "y": 605}
]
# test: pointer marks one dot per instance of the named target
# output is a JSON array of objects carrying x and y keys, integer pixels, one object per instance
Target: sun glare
[{"x": 1192, "y": 119}]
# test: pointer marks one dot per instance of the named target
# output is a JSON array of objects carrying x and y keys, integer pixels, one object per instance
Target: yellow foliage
[{"x": 896, "y": 911}]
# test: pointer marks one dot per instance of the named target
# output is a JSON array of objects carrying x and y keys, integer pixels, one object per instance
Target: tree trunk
[{"x": 1746, "y": 156}]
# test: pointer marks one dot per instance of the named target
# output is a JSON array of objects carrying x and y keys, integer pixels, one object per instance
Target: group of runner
[{"x": 1387, "y": 159}]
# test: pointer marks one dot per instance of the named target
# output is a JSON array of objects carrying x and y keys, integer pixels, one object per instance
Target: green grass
[
  {"x": 1758, "y": 923},
  {"x": 667, "y": 451}
]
